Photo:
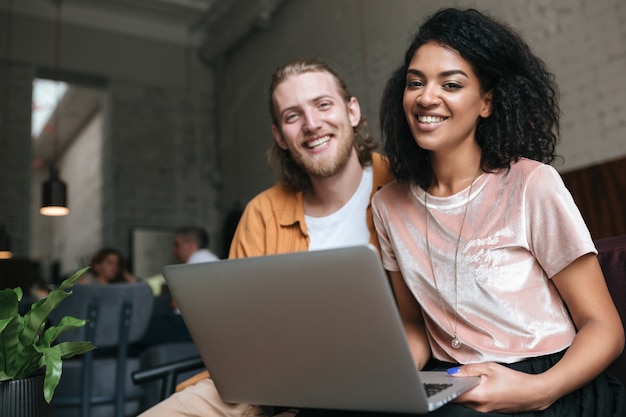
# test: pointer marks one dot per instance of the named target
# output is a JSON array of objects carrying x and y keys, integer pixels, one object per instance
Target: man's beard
[{"x": 325, "y": 167}]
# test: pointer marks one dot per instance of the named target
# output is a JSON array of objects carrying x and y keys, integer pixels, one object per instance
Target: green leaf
[
  {"x": 9, "y": 345},
  {"x": 70, "y": 349},
  {"x": 54, "y": 369},
  {"x": 36, "y": 317},
  {"x": 65, "y": 325},
  {"x": 69, "y": 282},
  {"x": 5, "y": 322},
  {"x": 9, "y": 298},
  {"x": 28, "y": 361},
  {"x": 54, "y": 366}
]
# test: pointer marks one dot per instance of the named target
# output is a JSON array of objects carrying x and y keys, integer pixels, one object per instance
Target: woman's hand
[{"x": 504, "y": 390}]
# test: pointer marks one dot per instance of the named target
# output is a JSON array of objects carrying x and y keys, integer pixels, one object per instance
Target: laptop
[{"x": 315, "y": 329}]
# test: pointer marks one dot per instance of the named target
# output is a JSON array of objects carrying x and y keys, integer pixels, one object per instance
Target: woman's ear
[
  {"x": 278, "y": 137},
  {"x": 487, "y": 104}
]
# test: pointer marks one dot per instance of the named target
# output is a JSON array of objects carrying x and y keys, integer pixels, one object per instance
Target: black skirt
[{"x": 604, "y": 396}]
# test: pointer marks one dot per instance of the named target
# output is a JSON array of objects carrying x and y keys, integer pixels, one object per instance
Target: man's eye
[
  {"x": 290, "y": 117},
  {"x": 324, "y": 105}
]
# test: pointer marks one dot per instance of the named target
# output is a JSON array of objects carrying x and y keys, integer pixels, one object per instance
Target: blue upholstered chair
[{"x": 98, "y": 384}]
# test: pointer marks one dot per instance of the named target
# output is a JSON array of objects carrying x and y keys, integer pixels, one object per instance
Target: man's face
[
  {"x": 183, "y": 248},
  {"x": 316, "y": 124}
]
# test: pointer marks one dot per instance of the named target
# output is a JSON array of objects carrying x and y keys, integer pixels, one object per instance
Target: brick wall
[
  {"x": 15, "y": 105},
  {"x": 582, "y": 41},
  {"x": 160, "y": 156}
]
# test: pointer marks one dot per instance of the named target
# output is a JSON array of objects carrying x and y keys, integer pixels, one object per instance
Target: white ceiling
[{"x": 166, "y": 20}]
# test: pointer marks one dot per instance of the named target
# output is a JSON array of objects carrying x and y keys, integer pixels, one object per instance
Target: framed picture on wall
[{"x": 151, "y": 250}]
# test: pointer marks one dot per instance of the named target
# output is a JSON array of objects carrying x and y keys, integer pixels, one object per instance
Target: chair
[
  {"x": 98, "y": 383},
  {"x": 612, "y": 258},
  {"x": 168, "y": 371},
  {"x": 163, "y": 366}
]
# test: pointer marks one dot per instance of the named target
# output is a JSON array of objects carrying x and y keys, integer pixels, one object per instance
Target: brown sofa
[{"x": 612, "y": 257}]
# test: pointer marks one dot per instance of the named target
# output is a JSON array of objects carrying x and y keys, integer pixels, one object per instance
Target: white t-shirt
[
  {"x": 521, "y": 228},
  {"x": 348, "y": 225},
  {"x": 202, "y": 255}
]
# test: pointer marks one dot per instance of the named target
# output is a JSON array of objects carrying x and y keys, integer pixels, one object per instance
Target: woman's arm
[
  {"x": 598, "y": 341},
  {"x": 412, "y": 319},
  {"x": 600, "y": 336}
]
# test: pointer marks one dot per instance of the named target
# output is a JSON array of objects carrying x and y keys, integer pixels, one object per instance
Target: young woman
[
  {"x": 488, "y": 255},
  {"x": 107, "y": 267}
]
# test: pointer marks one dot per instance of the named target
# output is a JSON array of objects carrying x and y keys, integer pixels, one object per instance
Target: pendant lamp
[
  {"x": 54, "y": 191},
  {"x": 5, "y": 244},
  {"x": 54, "y": 195}
]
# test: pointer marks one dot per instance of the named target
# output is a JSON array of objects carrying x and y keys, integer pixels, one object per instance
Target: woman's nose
[{"x": 428, "y": 96}]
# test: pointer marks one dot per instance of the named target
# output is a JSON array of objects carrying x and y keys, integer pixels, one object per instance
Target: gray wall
[
  {"x": 155, "y": 157},
  {"x": 175, "y": 153}
]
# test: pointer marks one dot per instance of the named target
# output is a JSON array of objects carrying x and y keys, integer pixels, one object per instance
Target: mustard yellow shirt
[{"x": 273, "y": 221}]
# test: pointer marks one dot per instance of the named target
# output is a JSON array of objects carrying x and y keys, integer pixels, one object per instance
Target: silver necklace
[{"x": 455, "y": 342}]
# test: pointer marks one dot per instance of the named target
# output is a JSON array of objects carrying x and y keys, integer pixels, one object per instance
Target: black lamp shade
[
  {"x": 5, "y": 244},
  {"x": 54, "y": 196}
]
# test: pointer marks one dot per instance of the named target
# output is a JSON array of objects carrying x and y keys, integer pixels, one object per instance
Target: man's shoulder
[
  {"x": 274, "y": 200},
  {"x": 275, "y": 193}
]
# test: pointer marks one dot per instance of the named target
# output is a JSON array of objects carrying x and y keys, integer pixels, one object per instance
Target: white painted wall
[{"x": 582, "y": 41}]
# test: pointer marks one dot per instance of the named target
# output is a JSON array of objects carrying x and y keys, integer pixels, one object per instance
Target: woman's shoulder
[
  {"x": 526, "y": 168},
  {"x": 531, "y": 176}
]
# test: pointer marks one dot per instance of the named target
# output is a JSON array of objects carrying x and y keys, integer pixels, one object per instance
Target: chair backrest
[
  {"x": 118, "y": 316},
  {"x": 108, "y": 300},
  {"x": 612, "y": 258}
]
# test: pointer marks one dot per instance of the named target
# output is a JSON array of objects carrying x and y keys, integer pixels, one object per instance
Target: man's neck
[{"x": 327, "y": 195}]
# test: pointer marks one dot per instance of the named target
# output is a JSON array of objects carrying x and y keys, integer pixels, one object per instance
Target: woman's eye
[
  {"x": 414, "y": 83},
  {"x": 452, "y": 85}
]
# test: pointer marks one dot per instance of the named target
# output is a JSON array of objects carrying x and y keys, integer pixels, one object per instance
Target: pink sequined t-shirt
[{"x": 521, "y": 228}]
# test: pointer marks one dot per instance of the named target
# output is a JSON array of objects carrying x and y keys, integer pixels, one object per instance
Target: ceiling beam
[{"x": 238, "y": 22}]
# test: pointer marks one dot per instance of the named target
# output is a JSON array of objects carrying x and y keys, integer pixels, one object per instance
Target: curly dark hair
[
  {"x": 525, "y": 112},
  {"x": 292, "y": 176}
]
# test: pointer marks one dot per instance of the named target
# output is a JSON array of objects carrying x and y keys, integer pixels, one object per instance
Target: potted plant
[{"x": 28, "y": 352}]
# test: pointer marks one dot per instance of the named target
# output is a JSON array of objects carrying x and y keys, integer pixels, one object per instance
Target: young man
[{"x": 328, "y": 173}]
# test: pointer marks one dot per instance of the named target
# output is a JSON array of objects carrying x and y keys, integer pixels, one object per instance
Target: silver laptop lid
[{"x": 313, "y": 329}]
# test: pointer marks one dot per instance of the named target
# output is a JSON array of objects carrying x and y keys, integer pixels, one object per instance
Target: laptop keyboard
[{"x": 432, "y": 389}]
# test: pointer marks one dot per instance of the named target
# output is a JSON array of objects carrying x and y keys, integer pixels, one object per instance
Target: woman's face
[
  {"x": 109, "y": 268},
  {"x": 443, "y": 100}
]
